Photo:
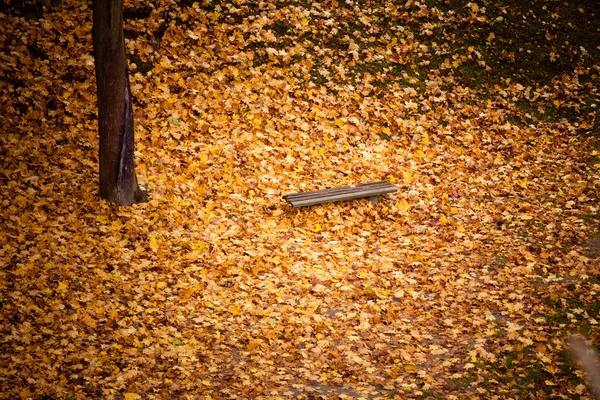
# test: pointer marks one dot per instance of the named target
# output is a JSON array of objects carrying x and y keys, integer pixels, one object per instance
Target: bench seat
[{"x": 368, "y": 190}]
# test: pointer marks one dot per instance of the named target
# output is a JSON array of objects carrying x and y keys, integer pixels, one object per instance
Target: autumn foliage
[{"x": 463, "y": 284}]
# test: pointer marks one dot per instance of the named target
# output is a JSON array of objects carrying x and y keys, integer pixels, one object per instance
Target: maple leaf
[{"x": 473, "y": 273}]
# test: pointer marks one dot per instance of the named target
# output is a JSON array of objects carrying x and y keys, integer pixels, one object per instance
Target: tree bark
[{"x": 118, "y": 182}]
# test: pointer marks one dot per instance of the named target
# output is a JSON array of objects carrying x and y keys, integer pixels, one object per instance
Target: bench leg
[{"x": 373, "y": 199}]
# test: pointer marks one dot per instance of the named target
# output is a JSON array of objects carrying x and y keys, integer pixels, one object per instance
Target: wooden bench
[{"x": 368, "y": 190}]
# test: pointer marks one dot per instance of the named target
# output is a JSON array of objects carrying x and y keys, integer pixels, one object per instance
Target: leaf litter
[{"x": 463, "y": 284}]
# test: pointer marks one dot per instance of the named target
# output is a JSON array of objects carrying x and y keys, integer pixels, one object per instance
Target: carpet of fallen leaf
[{"x": 457, "y": 286}]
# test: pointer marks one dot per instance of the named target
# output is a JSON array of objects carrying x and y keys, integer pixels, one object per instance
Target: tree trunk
[{"x": 118, "y": 182}]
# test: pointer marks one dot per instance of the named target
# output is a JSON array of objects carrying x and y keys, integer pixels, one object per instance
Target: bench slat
[
  {"x": 338, "y": 197},
  {"x": 369, "y": 190},
  {"x": 354, "y": 192},
  {"x": 338, "y": 190}
]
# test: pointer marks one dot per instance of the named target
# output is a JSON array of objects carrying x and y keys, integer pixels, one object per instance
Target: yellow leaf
[
  {"x": 186, "y": 293},
  {"x": 63, "y": 286},
  {"x": 317, "y": 228},
  {"x": 208, "y": 304},
  {"x": 199, "y": 246},
  {"x": 403, "y": 205},
  {"x": 153, "y": 243},
  {"x": 89, "y": 321},
  {"x": 552, "y": 369},
  {"x": 203, "y": 159},
  {"x": 410, "y": 368},
  {"x": 235, "y": 310},
  {"x": 131, "y": 396}
]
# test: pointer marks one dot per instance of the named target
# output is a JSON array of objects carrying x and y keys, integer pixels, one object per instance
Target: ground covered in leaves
[{"x": 463, "y": 284}]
